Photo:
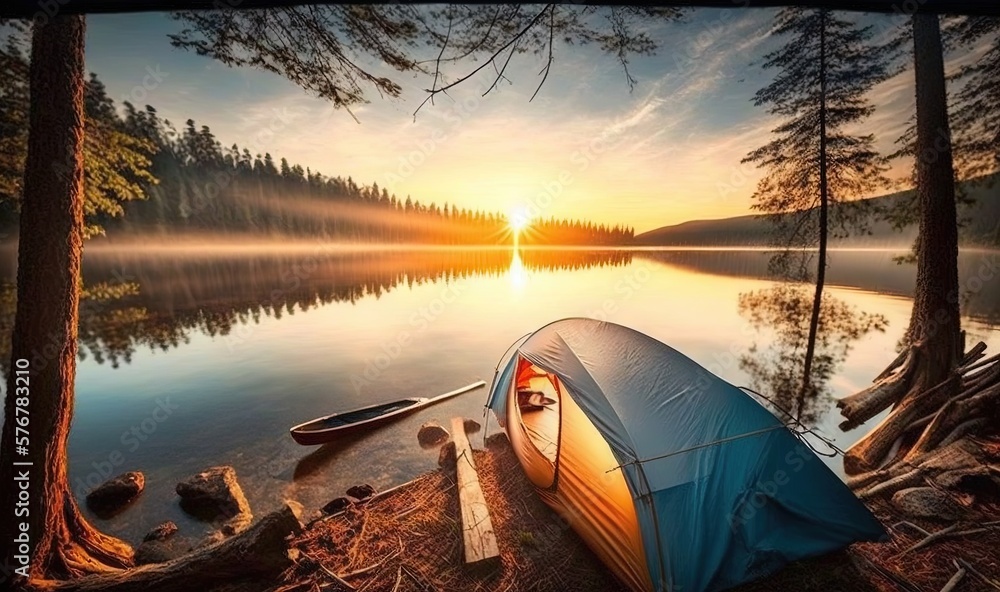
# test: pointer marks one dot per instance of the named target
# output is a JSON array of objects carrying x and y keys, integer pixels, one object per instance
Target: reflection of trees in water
[
  {"x": 136, "y": 301},
  {"x": 776, "y": 370},
  {"x": 108, "y": 319},
  {"x": 872, "y": 271}
]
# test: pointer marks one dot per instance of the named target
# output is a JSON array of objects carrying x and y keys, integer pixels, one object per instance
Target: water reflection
[
  {"x": 518, "y": 274},
  {"x": 781, "y": 315},
  {"x": 872, "y": 270},
  {"x": 134, "y": 301}
]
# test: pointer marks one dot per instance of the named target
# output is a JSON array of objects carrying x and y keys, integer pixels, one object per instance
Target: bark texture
[
  {"x": 929, "y": 377},
  {"x": 62, "y": 543},
  {"x": 258, "y": 554},
  {"x": 935, "y": 318}
]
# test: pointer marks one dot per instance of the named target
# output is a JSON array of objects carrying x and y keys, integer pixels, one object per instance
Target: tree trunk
[
  {"x": 259, "y": 554},
  {"x": 934, "y": 334},
  {"x": 823, "y": 219},
  {"x": 935, "y": 321},
  {"x": 44, "y": 342}
]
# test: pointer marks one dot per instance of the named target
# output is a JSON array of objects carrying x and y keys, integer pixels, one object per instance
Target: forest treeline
[{"x": 145, "y": 176}]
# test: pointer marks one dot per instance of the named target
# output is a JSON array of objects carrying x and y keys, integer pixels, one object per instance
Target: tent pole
[{"x": 648, "y": 498}]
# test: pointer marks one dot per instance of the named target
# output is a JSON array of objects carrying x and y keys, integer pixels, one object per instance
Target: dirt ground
[{"x": 410, "y": 541}]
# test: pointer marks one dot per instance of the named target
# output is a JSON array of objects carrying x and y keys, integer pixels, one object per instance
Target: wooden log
[
  {"x": 974, "y": 354},
  {"x": 862, "y": 406},
  {"x": 964, "y": 429},
  {"x": 983, "y": 377},
  {"x": 965, "y": 369},
  {"x": 892, "y": 366},
  {"x": 260, "y": 552},
  {"x": 933, "y": 432},
  {"x": 956, "y": 456},
  {"x": 865, "y": 454},
  {"x": 967, "y": 406},
  {"x": 893, "y": 485},
  {"x": 477, "y": 529}
]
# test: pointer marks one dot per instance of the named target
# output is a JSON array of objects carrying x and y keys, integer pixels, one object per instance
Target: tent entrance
[
  {"x": 537, "y": 395},
  {"x": 569, "y": 461}
]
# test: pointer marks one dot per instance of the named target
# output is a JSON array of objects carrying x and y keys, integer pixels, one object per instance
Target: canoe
[{"x": 329, "y": 428}]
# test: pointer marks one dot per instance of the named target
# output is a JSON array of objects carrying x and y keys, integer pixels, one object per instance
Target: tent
[{"x": 678, "y": 480}]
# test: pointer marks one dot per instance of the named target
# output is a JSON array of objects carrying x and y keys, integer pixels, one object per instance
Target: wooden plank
[{"x": 477, "y": 529}]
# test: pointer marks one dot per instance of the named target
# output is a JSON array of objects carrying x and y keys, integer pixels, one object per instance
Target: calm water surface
[{"x": 236, "y": 345}]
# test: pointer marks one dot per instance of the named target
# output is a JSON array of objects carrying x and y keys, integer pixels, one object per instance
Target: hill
[{"x": 981, "y": 225}]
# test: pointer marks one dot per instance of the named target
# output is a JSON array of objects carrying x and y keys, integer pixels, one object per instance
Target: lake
[{"x": 193, "y": 357}]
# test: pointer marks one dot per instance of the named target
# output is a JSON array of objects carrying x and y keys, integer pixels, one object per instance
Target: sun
[{"x": 519, "y": 220}]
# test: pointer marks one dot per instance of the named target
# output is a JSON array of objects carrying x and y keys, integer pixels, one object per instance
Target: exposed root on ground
[{"x": 925, "y": 417}]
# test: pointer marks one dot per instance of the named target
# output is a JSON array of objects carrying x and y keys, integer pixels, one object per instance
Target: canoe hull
[
  {"x": 332, "y": 427},
  {"x": 329, "y": 428}
]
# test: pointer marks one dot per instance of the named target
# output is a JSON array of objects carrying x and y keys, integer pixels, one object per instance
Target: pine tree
[
  {"x": 825, "y": 70},
  {"x": 975, "y": 120},
  {"x": 116, "y": 162}
]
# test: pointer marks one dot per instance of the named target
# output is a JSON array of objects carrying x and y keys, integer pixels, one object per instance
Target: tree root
[
  {"x": 866, "y": 453},
  {"x": 78, "y": 549},
  {"x": 943, "y": 414},
  {"x": 887, "y": 389},
  {"x": 259, "y": 552},
  {"x": 960, "y": 457}
]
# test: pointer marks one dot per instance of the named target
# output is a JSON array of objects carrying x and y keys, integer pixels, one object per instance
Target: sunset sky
[{"x": 667, "y": 152}]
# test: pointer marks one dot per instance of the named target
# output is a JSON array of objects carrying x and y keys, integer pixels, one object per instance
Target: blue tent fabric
[{"x": 723, "y": 491}]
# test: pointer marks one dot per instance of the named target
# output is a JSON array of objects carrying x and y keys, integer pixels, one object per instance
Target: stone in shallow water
[
  {"x": 214, "y": 494},
  {"x": 336, "y": 505},
  {"x": 446, "y": 458},
  {"x": 161, "y": 532},
  {"x": 472, "y": 426},
  {"x": 115, "y": 493},
  {"x": 361, "y": 491},
  {"x": 431, "y": 434}
]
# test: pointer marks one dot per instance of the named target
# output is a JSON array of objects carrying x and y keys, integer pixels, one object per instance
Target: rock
[
  {"x": 161, "y": 532},
  {"x": 336, "y": 505},
  {"x": 978, "y": 478},
  {"x": 361, "y": 491},
  {"x": 926, "y": 502},
  {"x": 472, "y": 426},
  {"x": 214, "y": 494},
  {"x": 157, "y": 551},
  {"x": 431, "y": 434},
  {"x": 498, "y": 440},
  {"x": 446, "y": 458},
  {"x": 117, "y": 492},
  {"x": 298, "y": 510}
]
